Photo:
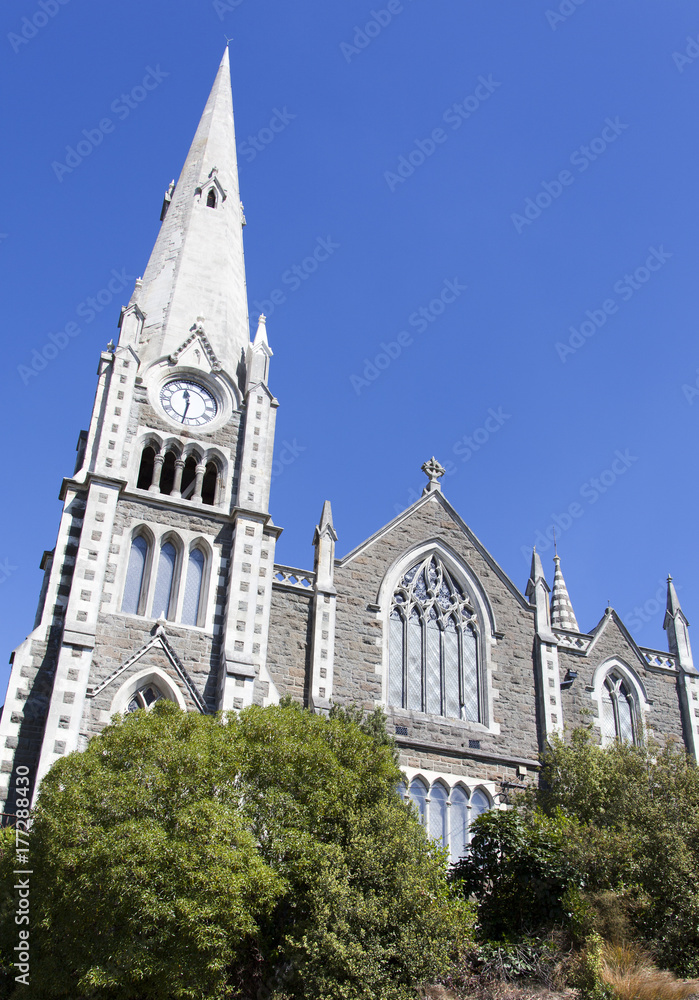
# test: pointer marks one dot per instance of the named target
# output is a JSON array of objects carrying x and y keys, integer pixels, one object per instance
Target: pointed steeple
[
  {"x": 562, "y": 614},
  {"x": 196, "y": 271},
  {"x": 673, "y": 603},
  {"x": 536, "y": 573},
  {"x": 258, "y": 355},
  {"x": 324, "y": 539}
]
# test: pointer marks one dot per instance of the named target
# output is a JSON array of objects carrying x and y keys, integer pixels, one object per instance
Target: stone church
[{"x": 163, "y": 581}]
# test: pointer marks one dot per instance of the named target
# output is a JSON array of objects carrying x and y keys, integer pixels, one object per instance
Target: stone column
[
  {"x": 157, "y": 469},
  {"x": 177, "y": 484}
]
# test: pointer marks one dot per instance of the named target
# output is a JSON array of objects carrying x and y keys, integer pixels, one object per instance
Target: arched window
[
  {"x": 479, "y": 804},
  {"x": 167, "y": 476},
  {"x": 418, "y": 796},
  {"x": 193, "y": 588},
  {"x": 145, "y": 698},
  {"x": 135, "y": 577},
  {"x": 458, "y": 839},
  {"x": 618, "y": 715},
  {"x": 433, "y": 645},
  {"x": 145, "y": 472},
  {"x": 439, "y": 828},
  {"x": 162, "y": 599},
  {"x": 189, "y": 475},
  {"x": 209, "y": 485},
  {"x": 211, "y": 198}
]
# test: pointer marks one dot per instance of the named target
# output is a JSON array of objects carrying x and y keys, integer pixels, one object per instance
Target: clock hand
[{"x": 186, "y": 397}]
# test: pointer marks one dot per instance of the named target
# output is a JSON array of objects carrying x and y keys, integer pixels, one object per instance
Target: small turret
[{"x": 562, "y": 614}]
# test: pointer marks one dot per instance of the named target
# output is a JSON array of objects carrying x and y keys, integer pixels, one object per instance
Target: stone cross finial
[{"x": 434, "y": 471}]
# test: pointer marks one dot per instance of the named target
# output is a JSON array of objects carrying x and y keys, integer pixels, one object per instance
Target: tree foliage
[
  {"x": 263, "y": 855},
  {"x": 616, "y": 823}
]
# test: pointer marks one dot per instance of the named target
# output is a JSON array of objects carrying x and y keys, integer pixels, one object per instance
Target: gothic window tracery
[
  {"x": 618, "y": 715},
  {"x": 433, "y": 645},
  {"x": 145, "y": 698}
]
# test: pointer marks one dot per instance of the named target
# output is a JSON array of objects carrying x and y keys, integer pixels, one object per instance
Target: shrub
[{"x": 181, "y": 856}]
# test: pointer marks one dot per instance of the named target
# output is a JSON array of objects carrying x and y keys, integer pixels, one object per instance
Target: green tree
[
  {"x": 611, "y": 835},
  {"x": 263, "y": 855}
]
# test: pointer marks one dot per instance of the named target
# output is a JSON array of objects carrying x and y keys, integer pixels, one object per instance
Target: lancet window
[
  {"x": 618, "y": 710},
  {"x": 160, "y": 580},
  {"x": 433, "y": 645}
]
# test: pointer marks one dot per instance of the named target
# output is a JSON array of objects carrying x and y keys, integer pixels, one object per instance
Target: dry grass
[{"x": 633, "y": 976}]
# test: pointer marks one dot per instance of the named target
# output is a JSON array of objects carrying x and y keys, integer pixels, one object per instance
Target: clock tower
[{"x": 160, "y": 582}]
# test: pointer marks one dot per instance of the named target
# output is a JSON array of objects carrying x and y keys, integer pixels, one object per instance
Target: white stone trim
[
  {"x": 149, "y": 675},
  {"x": 486, "y": 625},
  {"x": 637, "y": 691}
]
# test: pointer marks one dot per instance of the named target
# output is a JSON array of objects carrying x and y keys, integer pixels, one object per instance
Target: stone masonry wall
[
  {"x": 663, "y": 718},
  {"x": 289, "y": 648},
  {"x": 358, "y": 650}
]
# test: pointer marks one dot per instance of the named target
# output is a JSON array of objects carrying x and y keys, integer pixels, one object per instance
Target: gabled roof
[
  {"x": 436, "y": 496},
  {"x": 609, "y": 618}
]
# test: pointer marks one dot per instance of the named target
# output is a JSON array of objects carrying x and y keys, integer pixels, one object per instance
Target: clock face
[{"x": 188, "y": 403}]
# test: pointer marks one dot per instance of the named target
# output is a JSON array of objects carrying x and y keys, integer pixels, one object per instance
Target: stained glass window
[
  {"x": 433, "y": 645},
  {"x": 193, "y": 588},
  {"x": 134, "y": 576},
  {"x": 618, "y": 716}
]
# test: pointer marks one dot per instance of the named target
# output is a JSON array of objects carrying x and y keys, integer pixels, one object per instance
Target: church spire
[
  {"x": 562, "y": 614},
  {"x": 196, "y": 272}
]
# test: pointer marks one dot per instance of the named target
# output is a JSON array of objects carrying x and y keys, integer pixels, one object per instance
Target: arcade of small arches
[
  {"x": 165, "y": 579},
  {"x": 446, "y": 813},
  {"x": 181, "y": 472}
]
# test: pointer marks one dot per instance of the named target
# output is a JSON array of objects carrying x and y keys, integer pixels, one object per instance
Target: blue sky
[{"x": 509, "y": 191}]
